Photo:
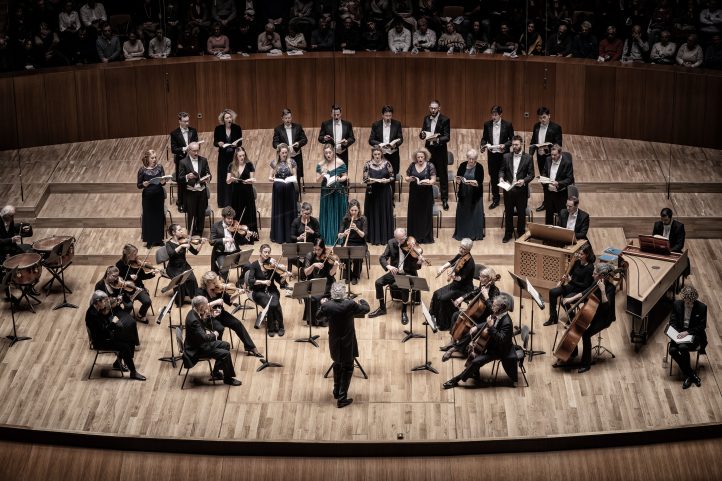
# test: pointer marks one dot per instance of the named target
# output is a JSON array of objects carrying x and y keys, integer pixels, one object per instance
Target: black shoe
[
  {"x": 446, "y": 347},
  {"x": 494, "y": 204},
  {"x": 696, "y": 380},
  {"x": 216, "y": 376},
  {"x": 137, "y": 376},
  {"x": 445, "y": 204},
  {"x": 687, "y": 383},
  {"x": 343, "y": 402},
  {"x": 404, "y": 318},
  {"x": 272, "y": 334},
  {"x": 254, "y": 353},
  {"x": 119, "y": 366},
  {"x": 541, "y": 207},
  {"x": 354, "y": 281},
  {"x": 378, "y": 312},
  {"x": 551, "y": 322},
  {"x": 583, "y": 369},
  {"x": 450, "y": 384},
  {"x": 506, "y": 239},
  {"x": 232, "y": 382},
  {"x": 446, "y": 356},
  {"x": 281, "y": 332},
  {"x": 181, "y": 209}
]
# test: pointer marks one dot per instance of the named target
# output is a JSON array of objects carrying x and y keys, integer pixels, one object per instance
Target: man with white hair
[
  {"x": 340, "y": 312},
  {"x": 10, "y": 238},
  {"x": 194, "y": 175},
  {"x": 460, "y": 272},
  {"x": 498, "y": 331}
]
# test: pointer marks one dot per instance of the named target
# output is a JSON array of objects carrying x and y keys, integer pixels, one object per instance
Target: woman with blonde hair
[{"x": 240, "y": 176}]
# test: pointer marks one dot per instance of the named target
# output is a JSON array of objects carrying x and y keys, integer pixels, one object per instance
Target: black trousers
[
  {"x": 555, "y": 293},
  {"x": 442, "y": 305},
  {"x": 494, "y": 161},
  {"x": 397, "y": 293},
  {"x": 554, "y": 202},
  {"x": 226, "y": 319},
  {"x": 516, "y": 199},
  {"x": 196, "y": 204},
  {"x": 181, "y": 190},
  {"x": 440, "y": 159},
  {"x": 145, "y": 302},
  {"x": 125, "y": 349},
  {"x": 541, "y": 161},
  {"x": 274, "y": 319},
  {"x": 680, "y": 354},
  {"x": 221, "y": 352},
  {"x": 472, "y": 370}
]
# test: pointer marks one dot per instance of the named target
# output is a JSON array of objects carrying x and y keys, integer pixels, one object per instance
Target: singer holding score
[{"x": 193, "y": 177}]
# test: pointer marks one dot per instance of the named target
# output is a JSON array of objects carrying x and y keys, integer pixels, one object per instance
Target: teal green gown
[{"x": 334, "y": 203}]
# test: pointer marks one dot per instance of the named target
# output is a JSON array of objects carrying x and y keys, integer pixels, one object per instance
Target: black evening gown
[
  {"x": 470, "y": 207},
  {"x": 378, "y": 204},
  {"x": 177, "y": 264},
  {"x": 153, "y": 225},
  {"x": 283, "y": 204},
  {"x": 225, "y": 157},
  {"x": 420, "y": 221},
  {"x": 243, "y": 200}
]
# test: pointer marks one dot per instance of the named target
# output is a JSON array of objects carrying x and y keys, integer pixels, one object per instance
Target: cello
[{"x": 474, "y": 311}]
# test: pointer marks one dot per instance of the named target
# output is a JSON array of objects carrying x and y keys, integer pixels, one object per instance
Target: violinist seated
[
  {"x": 572, "y": 285},
  {"x": 217, "y": 294},
  {"x": 320, "y": 264},
  {"x": 11, "y": 234},
  {"x": 119, "y": 292},
  {"x": 304, "y": 228},
  {"x": 491, "y": 341},
  {"x": 604, "y": 291},
  {"x": 689, "y": 317},
  {"x": 227, "y": 237},
  {"x": 132, "y": 269},
  {"x": 106, "y": 332},
  {"x": 177, "y": 246},
  {"x": 461, "y": 282},
  {"x": 353, "y": 233},
  {"x": 202, "y": 341},
  {"x": 485, "y": 293},
  {"x": 262, "y": 277},
  {"x": 397, "y": 259}
]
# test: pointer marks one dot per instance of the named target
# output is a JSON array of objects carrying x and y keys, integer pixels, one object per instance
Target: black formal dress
[
  {"x": 323, "y": 273},
  {"x": 438, "y": 149},
  {"x": 298, "y": 228},
  {"x": 517, "y": 198},
  {"x": 697, "y": 328},
  {"x": 196, "y": 193},
  {"x": 177, "y": 143},
  {"x": 580, "y": 280},
  {"x": 378, "y": 203},
  {"x": 137, "y": 276},
  {"x": 376, "y": 137},
  {"x": 420, "y": 213},
  {"x": 226, "y": 319},
  {"x": 153, "y": 201},
  {"x": 556, "y": 201},
  {"x": 261, "y": 294},
  {"x": 603, "y": 318},
  {"x": 284, "y": 208},
  {"x": 676, "y": 234},
  {"x": 201, "y": 342},
  {"x": 346, "y": 133},
  {"x": 495, "y": 159},
  {"x": 177, "y": 264},
  {"x": 105, "y": 334},
  {"x": 243, "y": 199},
  {"x": 442, "y": 301},
  {"x": 354, "y": 240},
  {"x": 470, "y": 220},
  {"x": 126, "y": 328},
  {"x": 581, "y": 225},
  {"x": 280, "y": 136},
  {"x": 225, "y": 157}
]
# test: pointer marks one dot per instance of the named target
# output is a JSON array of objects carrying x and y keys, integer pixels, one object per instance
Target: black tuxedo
[
  {"x": 439, "y": 152},
  {"x": 581, "y": 226},
  {"x": 199, "y": 343},
  {"x": 177, "y": 143},
  {"x": 499, "y": 346},
  {"x": 298, "y": 135},
  {"x": 346, "y": 133},
  {"x": 518, "y": 197},
  {"x": 556, "y": 201},
  {"x": 553, "y": 135},
  {"x": 506, "y": 132},
  {"x": 105, "y": 334},
  {"x": 195, "y": 202},
  {"x": 676, "y": 234},
  {"x": 395, "y": 132},
  {"x": 391, "y": 257}
]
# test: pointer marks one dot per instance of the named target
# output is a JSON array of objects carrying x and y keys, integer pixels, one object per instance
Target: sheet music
[
  {"x": 430, "y": 135},
  {"x": 330, "y": 179},
  {"x": 504, "y": 185},
  {"x": 544, "y": 180},
  {"x": 159, "y": 179},
  {"x": 534, "y": 294},
  {"x": 287, "y": 180},
  {"x": 672, "y": 334}
]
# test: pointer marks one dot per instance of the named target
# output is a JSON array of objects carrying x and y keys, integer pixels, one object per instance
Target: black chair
[
  {"x": 98, "y": 352},
  {"x": 179, "y": 340},
  {"x": 452, "y": 173},
  {"x": 520, "y": 356},
  {"x": 699, "y": 350},
  {"x": 161, "y": 258},
  {"x": 248, "y": 297}
]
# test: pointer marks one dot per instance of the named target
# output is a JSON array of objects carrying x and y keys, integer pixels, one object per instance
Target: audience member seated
[
  {"x": 217, "y": 43},
  {"x": 372, "y": 39},
  {"x": 424, "y": 38},
  {"x": 635, "y": 47},
  {"x": 146, "y": 18},
  {"x": 322, "y": 39},
  {"x": 610, "y": 48},
  {"x": 189, "y": 43},
  {"x": 504, "y": 43},
  {"x": 159, "y": 46},
  {"x": 295, "y": 40},
  {"x": 713, "y": 55},
  {"x": 585, "y": 43},
  {"x": 47, "y": 45},
  {"x": 92, "y": 14},
  {"x": 348, "y": 35},
  {"x": 108, "y": 45},
  {"x": 399, "y": 38},
  {"x": 663, "y": 52},
  {"x": 223, "y": 12},
  {"x": 560, "y": 44},
  {"x": 269, "y": 39},
  {"x": 530, "y": 42},
  {"x": 690, "y": 54},
  {"x": 451, "y": 40},
  {"x": 133, "y": 48}
]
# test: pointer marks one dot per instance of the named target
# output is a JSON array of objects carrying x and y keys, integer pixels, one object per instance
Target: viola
[{"x": 410, "y": 247}]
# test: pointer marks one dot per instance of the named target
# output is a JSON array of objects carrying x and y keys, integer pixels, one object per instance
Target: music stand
[
  {"x": 297, "y": 251},
  {"x": 428, "y": 321},
  {"x": 6, "y": 285},
  {"x": 264, "y": 361},
  {"x": 307, "y": 290},
  {"x": 176, "y": 283},
  {"x": 412, "y": 283},
  {"x": 350, "y": 254},
  {"x": 525, "y": 285},
  {"x": 64, "y": 249}
]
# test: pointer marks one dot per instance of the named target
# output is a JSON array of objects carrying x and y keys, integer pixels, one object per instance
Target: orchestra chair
[
  {"x": 529, "y": 218},
  {"x": 258, "y": 212},
  {"x": 699, "y": 350},
  {"x": 99, "y": 351},
  {"x": 179, "y": 341},
  {"x": 161, "y": 257},
  {"x": 520, "y": 355},
  {"x": 452, "y": 173},
  {"x": 248, "y": 299},
  {"x": 436, "y": 211}
]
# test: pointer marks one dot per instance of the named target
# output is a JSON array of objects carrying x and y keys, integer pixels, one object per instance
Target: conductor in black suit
[
  {"x": 191, "y": 170},
  {"x": 670, "y": 229},
  {"x": 544, "y": 132},
  {"x": 436, "y": 123},
  {"x": 293, "y": 135},
  {"x": 689, "y": 316},
  {"x": 202, "y": 341},
  {"x": 388, "y": 131},
  {"x": 339, "y": 313},
  {"x": 180, "y": 138},
  {"x": 499, "y": 329},
  {"x": 496, "y": 140},
  {"x": 560, "y": 171},
  {"x": 572, "y": 217},
  {"x": 516, "y": 169},
  {"x": 338, "y": 132}
]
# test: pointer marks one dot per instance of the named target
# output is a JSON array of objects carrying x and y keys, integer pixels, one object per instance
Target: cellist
[
  {"x": 461, "y": 281},
  {"x": 603, "y": 291},
  {"x": 497, "y": 332},
  {"x": 486, "y": 292},
  {"x": 574, "y": 283}
]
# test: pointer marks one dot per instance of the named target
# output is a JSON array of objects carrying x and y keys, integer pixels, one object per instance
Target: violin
[
  {"x": 147, "y": 267},
  {"x": 273, "y": 265},
  {"x": 328, "y": 256},
  {"x": 410, "y": 247},
  {"x": 241, "y": 229},
  {"x": 128, "y": 286},
  {"x": 220, "y": 288},
  {"x": 455, "y": 267}
]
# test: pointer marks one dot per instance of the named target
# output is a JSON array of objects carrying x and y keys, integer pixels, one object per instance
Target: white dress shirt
[
  {"x": 572, "y": 220},
  {"x": 666, "y": 229},
  {"x": 515, "y": 164},
  {"x": 553, "y": 169},
  {"x": 433, "y": 123},
  {"x": 387, "y": 132},
  {"x": 542, "y": 133},
  {"x": 495, "y": 133},
  {"x": 337, "y": 131},
  {"x": 185, "y": 134},
  {"x": 229, "y": 245}
]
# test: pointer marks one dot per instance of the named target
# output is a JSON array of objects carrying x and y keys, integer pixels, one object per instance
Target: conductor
[{"x": 339, "y": 313}]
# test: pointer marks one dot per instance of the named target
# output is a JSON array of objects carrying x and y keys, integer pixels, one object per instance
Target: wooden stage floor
[{"x": 87, "y": 190}]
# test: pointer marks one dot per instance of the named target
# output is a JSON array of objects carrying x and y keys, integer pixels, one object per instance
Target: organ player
[{"x": 670, "y": 229}]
